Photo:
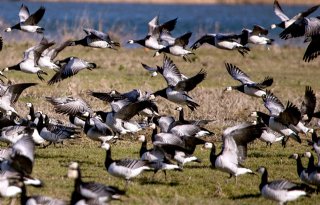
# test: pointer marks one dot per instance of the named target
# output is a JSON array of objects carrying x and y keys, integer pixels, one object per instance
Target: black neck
[
  {"x": 108, "y": 160},
  {"x": 154, "y": 132},
  {"x": 213, "y": 155},
  {"x": 82, "y": 42},
  {"x": 14, "y": 67},
  {"x": 161, "y": 93},
  {"x": 239, "y": 88},
  {"x": 23, "y": 197},
  {"x": 264, "y": 117},
  {"x": 264, "y": 179},
  {"x": 300, "y": 167},
  {"x": 181, "y": 115},
  {"x": 31, "y": 113},
  {"x": 87, "y": 125},
  {"x": 140, "y": 42},
  {"x": 40, "y": 124},
  {"x": 103, "y": 115},
  {"x": 143, "y": 148},
  {"x": 311, "y": 165}
]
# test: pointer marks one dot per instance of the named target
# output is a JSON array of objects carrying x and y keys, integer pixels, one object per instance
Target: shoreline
[{"x": 196, "y": 2}]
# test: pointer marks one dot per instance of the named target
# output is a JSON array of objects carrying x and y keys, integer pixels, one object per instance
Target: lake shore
[{"x": 287, "y": 2}]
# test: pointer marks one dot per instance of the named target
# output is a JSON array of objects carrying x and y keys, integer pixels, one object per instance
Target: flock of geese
[{"x": 174, "y": 140}]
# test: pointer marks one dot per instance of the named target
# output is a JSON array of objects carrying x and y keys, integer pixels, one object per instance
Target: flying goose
[
  {"x": 312, "y": 50},
  {"x": 95, "y": 39},
  {"x": 285, "y": 20},
  {"x": 152, "y": 40},
  {"x": 99, "y": 131},
  {"x": 69, "y": 67},
  {"x": 124, "y": 168},
  {"x": 280, "y": 117},
  {"x": 222, "y": 41},
  {"x": 29, "y": 64},
  {"x": 28, "y": 22},
  {"x": 178, "y": 48},
  {"x": 177, "y": 87},
  {"x": 308, "y": 105},
  {"x": 90, "y": 190},
  {"x": 10, "y": 94},
  {"x": 281, "y": 190},
  {"x": 48, "y": 55},
  {"x": 255, "y": 36},
  {"x": 70, "y": 105},
  {"x": 247, "y": 86}
]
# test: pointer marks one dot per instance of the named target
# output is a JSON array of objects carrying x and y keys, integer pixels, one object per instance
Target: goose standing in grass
[
  {"x": 178, "y": 47},
  {"x": 234, "y": 152},
  {"x": 69, "y": 67},
  {"x": 255, "y": 36},
  {"x": 280, "y": 117},
  {"x": 313, "y": 171},
  {"x": 281, "y": 191},
  {"x": 152, "y": 40},
  {"x": 29, "y": 64},
  {"x": 222, "y": 41},
  {"x": 315, "y": 143},
  {"x": 157, "y": 156},
  {"x": 95, "y": 39},
  {"x": 269, "y": 136},
  {"x": 247, "y": 86},
  {"x": 10, "y": 94},
  {"x": 285, "y": 20},
  {"x": 70, "y": 105},
  {"x": 177, "y": 86},
  {"x": 302, "y": 172},
  {"x": 124, "y": 168},
  {"x": 48, "y": 55},
  {"x": 28, "y": 23},
  {"x": 91, "y": 190}
]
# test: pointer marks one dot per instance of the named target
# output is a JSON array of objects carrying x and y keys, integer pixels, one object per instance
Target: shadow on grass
[
  {"x": 246, "y": 196},
  {"x": 156, "y": 182},
  {"x": 197, "y": 166}
]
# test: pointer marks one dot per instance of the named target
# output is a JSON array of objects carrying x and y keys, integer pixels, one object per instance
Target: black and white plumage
[
  {"x": 178, "y": 47},
  {"x": 69, "y": 67},
  {"x": 95, "y": 39},
  {"x": 124, "y": 168},
  {"x": 29, "y": 64},
  {"x": 70, "y": 105},
  {"x": 313, "y": 171},
  {"x": 281, "y": 191},
  {"x": 9, "y": 95},
  {"x": 247, "y": 86},
  {"x": 308, "y": 105},
  {"x": 285, "y": 20},
  {"x": 99, "y": 131},
  {"x": 303, "y": 173},
  {"x": 28, "y": 22},
  {"x": 152, "y": 39},
  {"x": 315, "y": 143},
  {"x": 177, "y": 86},
  {"x": 48, "y": 55},
  {"x": 255, "y": 36},
  {"x": 90, "y": 190},
  {"x": 222, "y": 41}
]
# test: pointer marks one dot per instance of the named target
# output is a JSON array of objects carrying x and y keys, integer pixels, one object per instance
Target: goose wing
[
  {"x": 24, "y": 13},
  {"x": 183, "y": 40},
  {"x": 190, "y": 83},
  {"x": 102, "y": 127},
  {"x": 54, "y": 52},
  {"x": 259, "y": 30},
  {"x": 313, "y": 49},
  {"x": 265, "y": 83},
  {"x": 40, "y": 199},
  {"x": 279, "y": 12},
  {"x": 238, "y": 74},
  {"x": 309, "y": 103},
  {"x": 230, "y": 150},
  {"x": 169, "y": 25},
  {"x": 107, "y": 97},
  {"x": 305, "y": 27},
  {"x": 23, "y": 154},
  {"x": 291, "y": 115},
  {"x": 98, "y": 34},
  {"x": 148, "y": 68},
  {"x": 282, "y": 185},
  {"x": 131, "y": 163},
  {"x": 13, "y": 92},
  {"x": 35, "y": 17},
  {"x": 153, "y": 24},
  {"x": 208, "y": 38},
  {"x": 170, "y": 72},
  {"x": 69, "y": 105},
  {"x": 272, "y": 103},
  {"x": 130, "y": 110}
]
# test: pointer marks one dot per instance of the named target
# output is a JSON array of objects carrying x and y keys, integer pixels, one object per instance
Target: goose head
[
  {"x": 208, "y": 145},
  {"x": 73, "y": 170},
  {"x": 254, "y": 114},
  {"x": 261, "y": 170},
  {"x": 130, "y": 42},
  {"x": 29, "y": 104},
  {"x": 229, "y": 88},
  {"x": 105, "y": 146},
  {"x": 8, "y": 30},
  {"x": 153, "y": 126},
  {"x": 142, "y": 138},
  {"x": 179, "y": 108},
  {"x": 294, "y": 156},
  {"x": 307, "y": 154}
]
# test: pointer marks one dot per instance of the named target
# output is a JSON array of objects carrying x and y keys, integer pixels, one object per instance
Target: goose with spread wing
[
  {"x": 152, "y": 39},
  {"x": 255, "y": 36},
  {"x": 70, "y": 105},
  {"x": 247, "y": 86},
  {"x": 177, "y": 87},
  {"x": 95, "y": 39},
  {"x": 222, "y": 41},
  {"x": 28, "y": 23}
]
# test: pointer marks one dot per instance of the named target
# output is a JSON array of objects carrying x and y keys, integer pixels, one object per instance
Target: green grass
[{"x": 197, "y": 184}]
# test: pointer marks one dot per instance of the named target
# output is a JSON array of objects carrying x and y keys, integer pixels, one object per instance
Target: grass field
[{"x": 197, "y": 184}]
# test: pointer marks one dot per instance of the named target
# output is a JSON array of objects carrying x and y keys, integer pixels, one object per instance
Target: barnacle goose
[
  {"x": 255, "y": 36},
  {"x": 28, "y": 22}
]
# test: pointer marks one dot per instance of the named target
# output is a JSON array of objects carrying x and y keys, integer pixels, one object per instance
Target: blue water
[{"x": 131, "y": 19}]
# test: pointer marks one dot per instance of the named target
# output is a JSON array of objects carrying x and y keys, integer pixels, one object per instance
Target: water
[{"x": 130, "y": 20}]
